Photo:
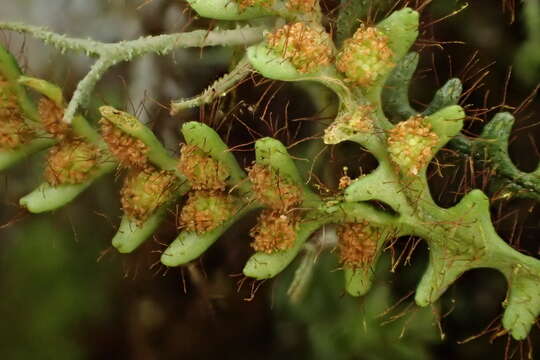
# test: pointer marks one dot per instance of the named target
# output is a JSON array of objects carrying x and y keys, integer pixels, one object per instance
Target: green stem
[
  {"x": 112, "y": 54},
  {"x": 219, "y": 88}
]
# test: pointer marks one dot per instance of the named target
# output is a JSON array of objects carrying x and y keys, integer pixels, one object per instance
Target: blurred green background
[{"x": 67, "y": 295}]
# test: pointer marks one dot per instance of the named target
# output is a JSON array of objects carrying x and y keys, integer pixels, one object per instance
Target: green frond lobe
[
  {"x": 263, "y": 265},
  {"x": 45, "y": 88},
  {"x": 228, "y": 10},
  {"x": 447, "y": 95},
  {"x": 11, "y": 72},
  {"x": 508, "y": 180},
  {"x": 189, "y": 245},
  {"x": 205, "y": 138},
  {"x": 131, "y": 233},
  {"x": 352, "y": 12},
  {"x": 395, "y": 95},
  {"x": 48, "y": 198},
  {"x": 133, "y": 127}
]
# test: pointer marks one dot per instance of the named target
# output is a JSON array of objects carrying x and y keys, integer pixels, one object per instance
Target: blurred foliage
[
  {"x": 527, "y": 58},
  {"x": 55, "y": 293},
  {"x": 341, "y": 327}
]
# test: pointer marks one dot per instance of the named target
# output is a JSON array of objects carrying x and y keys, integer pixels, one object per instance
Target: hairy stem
[{"x": 110, "y": 54}]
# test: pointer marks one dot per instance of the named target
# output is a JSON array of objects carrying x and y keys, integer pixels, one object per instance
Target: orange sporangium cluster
[
  {"x": 411, "y": 144},
  {"x": 130, "y": 151},
  {"x": 202, "y": 171},
  {"x": 301, "y": 5},
  {"x": 276, "y": 226},
  {"x": 357, "y": 244},
  {"x": 205, "y": 210},
  {"x": 347, "y": 124},
  {"x": 365, "y": 56},
  {"x": 272, "y": 190},
  {"x": 305, "y": 47},
  {"x": 344, "y": 182},
  {"x": 362, "y": 119},
  {"x": 274, "y": 231},
  {"x": 13, "y": 130},
  {"x": 51, "y": 116},
  {"x": 71, "y": 162},
  {"x": 144, "y": 191},
  {"x": 208, "y": 204},
  {"x": 243, "y": 4}
]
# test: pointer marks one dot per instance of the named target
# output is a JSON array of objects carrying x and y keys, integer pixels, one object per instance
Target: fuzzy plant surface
[
  {"x": 368, "y": 66},
  {"x": 528, "y": 58}
]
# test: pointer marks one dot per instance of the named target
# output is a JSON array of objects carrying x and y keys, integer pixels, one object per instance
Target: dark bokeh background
[{"x": 67, "y": 295}]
